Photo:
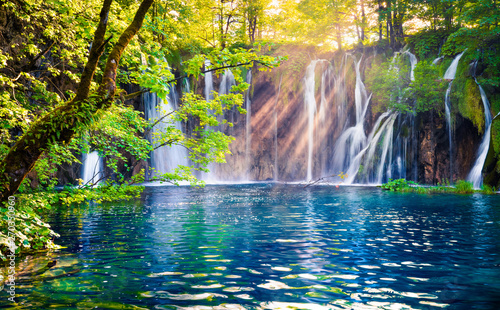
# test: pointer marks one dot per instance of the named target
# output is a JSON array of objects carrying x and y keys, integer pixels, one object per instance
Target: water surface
[{"x": 272, "y": 246}]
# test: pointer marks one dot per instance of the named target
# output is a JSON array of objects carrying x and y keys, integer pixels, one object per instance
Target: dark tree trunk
[{"x": 380, "y": 26}]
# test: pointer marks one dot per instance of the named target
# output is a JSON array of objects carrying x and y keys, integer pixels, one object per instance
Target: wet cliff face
[{"x": 433, "y": 152}]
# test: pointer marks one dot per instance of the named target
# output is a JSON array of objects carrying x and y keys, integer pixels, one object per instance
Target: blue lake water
[{"x": 273, "y": 246}]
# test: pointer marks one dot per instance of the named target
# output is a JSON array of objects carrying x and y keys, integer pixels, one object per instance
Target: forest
[{"x": 99, "y": 98}]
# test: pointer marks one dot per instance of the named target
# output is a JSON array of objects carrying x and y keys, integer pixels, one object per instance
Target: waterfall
[
  {"x": 368, "y": 165},
  {"x": 92, "y": 168},
  {"x": 413, "y": 63},
  {"x": 452, "y": 69},
  {"x": 310, "y": 106},
  {"x": 383, "y": 154},
  {"x": 165, "y": 158},
  {"x": 209, "y": 82},
  {"x": 340, "y": 92},
  {"x": 438, "y": 59},
  {"x": 248, "y": 125},
  {"x": 450, "y": 75},
  {"x": 226, "y": 83},
  {"x": 353, "y": 139},
  {"x": 360, "y": 95},
  {"x": 475, "y": 175}
]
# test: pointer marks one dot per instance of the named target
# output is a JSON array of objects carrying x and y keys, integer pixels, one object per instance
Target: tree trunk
[
  {"x": 389, "y": 24},
  {"x": 363, "y": 20},
  {"x": 338, "y": 37},
  {"x": 221, "y": 25},
  {"x": 60, "y": 125},
  {"x": 380, "y": 27}
]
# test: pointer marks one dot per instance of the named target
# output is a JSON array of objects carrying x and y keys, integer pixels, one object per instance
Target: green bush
[{"x": 464, "y": 187}]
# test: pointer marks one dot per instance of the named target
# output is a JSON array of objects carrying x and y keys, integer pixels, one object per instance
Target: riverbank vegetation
[{"x": 460, "y": 187}]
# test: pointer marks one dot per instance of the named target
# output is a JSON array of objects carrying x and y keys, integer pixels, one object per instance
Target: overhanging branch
[{"x": 147, "y": 90}]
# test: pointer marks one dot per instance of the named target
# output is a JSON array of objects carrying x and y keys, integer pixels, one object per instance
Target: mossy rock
[
  {"x": 470, "y": 104},
  {"x": 492, "y": 163}
]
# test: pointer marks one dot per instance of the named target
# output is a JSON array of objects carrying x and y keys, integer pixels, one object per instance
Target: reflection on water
[{"x": 266, "y": 246}]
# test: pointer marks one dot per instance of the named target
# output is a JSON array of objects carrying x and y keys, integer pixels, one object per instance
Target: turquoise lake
[{"x": 272, "y": 246}]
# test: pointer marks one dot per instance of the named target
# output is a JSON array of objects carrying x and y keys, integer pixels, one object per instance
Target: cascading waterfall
[
  {"x": 374, "y": 163},
  {"x": 372, "y": 171},
  {"x": 330, "y": 142},
  {"x": 353, "y": 139},
  {"x": 165, "y": 158},
  {"x": 316, "y": 117},
  {"x": 413, "y": 63},
  {"x": 475, "y": 175},
  {"x": 92, "y": 168},
  {"x": 450, "y": 75},
  {"x": 209, "y": 82}
]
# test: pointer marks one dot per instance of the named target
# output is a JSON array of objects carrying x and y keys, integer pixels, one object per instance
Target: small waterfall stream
[
  {"x": 475, "y": 175},
  {"x": 92, "y": 168},
  {"x": 209, "y": 82},
  {"x": 310, "y": 106},
  {"x": 353, "y": 139},
  {"x": 450, "y": 75},
  {"x": 374, "y": 163}
]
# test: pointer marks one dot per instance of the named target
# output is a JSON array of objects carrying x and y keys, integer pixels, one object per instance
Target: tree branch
[
  {"x": 61, "y": 124},
  {"x": 146, "y": 90}
]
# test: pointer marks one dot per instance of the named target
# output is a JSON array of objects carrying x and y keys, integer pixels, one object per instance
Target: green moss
[
  {"x": 470, "y": 104},
  {"x": 495, "y": 136},
  {"x": 427, "y": 42}
]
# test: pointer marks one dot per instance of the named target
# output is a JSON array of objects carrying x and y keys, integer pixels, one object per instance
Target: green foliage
[
  {"x": 428, "y": 88},
  {"x": 393, "y": 89},
  {"x": 460, "y": 187},
  {"x": 399, "y": 185},
  {"x": 470, "y": 104},
  {"x": 488, "y": 190},
  {"x": 427, "y": 42},
  {"x": 389, "y": 82},
  {"x": 30, "y": 230},
  {"x": 464, "y": 187}
]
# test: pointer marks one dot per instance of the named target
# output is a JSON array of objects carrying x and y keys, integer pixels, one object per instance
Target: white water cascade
[
  {"x": 374, "y": 156},
  {"x": 374, "y": 163},
  {"x": 413, "y": 63},
  {"x": 353, "y": 139},
  {"x": 165, "y": 158},
  {"x": 450, "y": 75},
  {"x": 92, "y": 168},
  {"x": 209, "y": 82},
  {"x": 475, "y": 175}
]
